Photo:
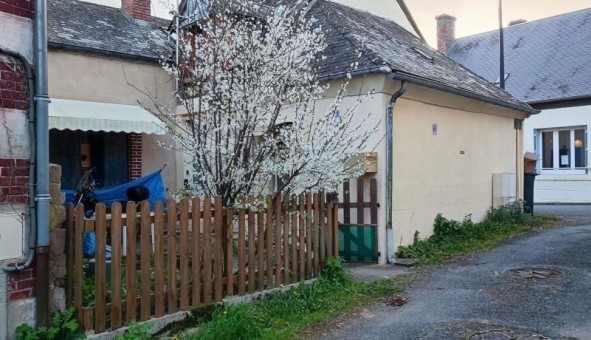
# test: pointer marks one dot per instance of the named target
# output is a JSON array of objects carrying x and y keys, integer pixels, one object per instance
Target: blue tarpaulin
[{"x": 108, "y": 196}]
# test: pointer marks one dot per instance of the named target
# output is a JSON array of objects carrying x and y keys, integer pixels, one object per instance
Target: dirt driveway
[{"x": 536, "y": 286}]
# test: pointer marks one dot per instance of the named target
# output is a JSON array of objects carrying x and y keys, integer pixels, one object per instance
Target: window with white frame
[{"x": 562, "y": 150}]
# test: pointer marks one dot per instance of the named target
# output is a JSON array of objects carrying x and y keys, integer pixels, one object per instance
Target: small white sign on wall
[{"x": 11, "y": 236}]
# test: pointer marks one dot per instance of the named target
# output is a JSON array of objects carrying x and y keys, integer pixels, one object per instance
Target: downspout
[
  {"x": 389, "y": 165},
  {"x": 42, "y": 132},
  {"x": 26, "y": 261}
]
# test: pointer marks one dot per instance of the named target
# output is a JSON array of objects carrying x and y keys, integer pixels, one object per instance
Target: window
[{"x": 562, "y": 150}]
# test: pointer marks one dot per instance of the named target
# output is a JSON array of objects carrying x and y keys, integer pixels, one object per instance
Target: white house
[{"x": 546, "y": 65}]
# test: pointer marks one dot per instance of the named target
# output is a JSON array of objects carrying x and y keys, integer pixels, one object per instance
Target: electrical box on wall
[
  {"x": 368, "y": 160},
  {"x": 11, "y": 236}
]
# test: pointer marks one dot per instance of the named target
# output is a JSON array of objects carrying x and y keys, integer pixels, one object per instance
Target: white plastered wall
[
  {"x": 388, "y": 9},
  {"x": 567, "y": 187},
  {"x": 450, "y": 171}
]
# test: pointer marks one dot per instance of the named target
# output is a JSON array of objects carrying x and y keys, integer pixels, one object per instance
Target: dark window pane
[
  {"x": 580, "y": 147},
  {"x": 548, "y": 160},
  {"x": 564, "y": 151}
]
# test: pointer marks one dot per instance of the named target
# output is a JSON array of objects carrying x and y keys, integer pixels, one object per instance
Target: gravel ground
[{"x": 536, "y": 286}]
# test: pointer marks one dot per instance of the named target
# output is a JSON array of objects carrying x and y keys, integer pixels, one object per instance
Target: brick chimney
[
  {"x": 137, "y": 9},
  {"x": 517, "y": 22},
  {"x": 446, "y": 32}
]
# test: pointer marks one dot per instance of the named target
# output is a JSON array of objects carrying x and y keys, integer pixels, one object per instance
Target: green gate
[
  {"x": 358, "y": 243},
  {"x": 358, "y": 239}
]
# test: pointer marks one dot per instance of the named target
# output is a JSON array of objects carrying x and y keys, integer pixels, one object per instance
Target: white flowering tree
[{"x": 249, "y": 85}]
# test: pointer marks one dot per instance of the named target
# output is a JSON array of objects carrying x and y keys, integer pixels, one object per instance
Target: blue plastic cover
[{"x": 118, "y": 193}]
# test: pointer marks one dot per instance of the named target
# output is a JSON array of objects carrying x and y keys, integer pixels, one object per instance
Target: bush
[
  {"x": 509, "y": 213},
  {"x": 63, "y": 327}
]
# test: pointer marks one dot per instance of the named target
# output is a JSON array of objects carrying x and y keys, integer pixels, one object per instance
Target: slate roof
[
  {"x": 383, "y": 43},
  {"x": 95, "y": 28},
  {"x": 547, "y": 60}
]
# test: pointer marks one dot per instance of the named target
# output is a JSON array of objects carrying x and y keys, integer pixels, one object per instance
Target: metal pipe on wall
[
  {"x": 389, "y": 171},
  {"x": 42, "y": 146}
]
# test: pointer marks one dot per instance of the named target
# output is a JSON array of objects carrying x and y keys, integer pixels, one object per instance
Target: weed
[
  {"x": 137, "y": 331},
  {"x": 453, "y": 237},
  {"x": 63, "y": 327}
]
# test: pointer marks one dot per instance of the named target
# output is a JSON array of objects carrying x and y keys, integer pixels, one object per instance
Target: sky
[{"x": 473, "y": 16}]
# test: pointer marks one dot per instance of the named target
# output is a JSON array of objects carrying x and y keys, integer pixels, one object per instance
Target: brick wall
[
  {"x": 138, "y": 9},
  {"x": 135, "y": 156},
  {"x": 14, "y": 176},
  {"x": 21, "y": 285},
  {"x": 21, "y": 8},
  {"x": 13, "y": 84}
]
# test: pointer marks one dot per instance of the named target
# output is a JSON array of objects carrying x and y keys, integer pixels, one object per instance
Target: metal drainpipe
[
  {"x": 42, "y": 132},
  {"x": 389, "y": 165},
  {"x": 26, "y": 261}
]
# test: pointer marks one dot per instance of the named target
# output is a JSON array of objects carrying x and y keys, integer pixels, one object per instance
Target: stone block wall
[{"x": 57, "y": 241}]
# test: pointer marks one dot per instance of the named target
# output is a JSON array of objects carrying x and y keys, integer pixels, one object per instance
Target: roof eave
[
  {"x": 81, "y": 49},
  {"x": 582, "y": 100},
  {"x": 446, "y": 88}
]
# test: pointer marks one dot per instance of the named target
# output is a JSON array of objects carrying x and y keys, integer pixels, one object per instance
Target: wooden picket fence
[{"x": 181, "y": 255}]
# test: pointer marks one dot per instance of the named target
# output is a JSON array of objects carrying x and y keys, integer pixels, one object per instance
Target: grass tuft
[{"x": 284, "y": 314}]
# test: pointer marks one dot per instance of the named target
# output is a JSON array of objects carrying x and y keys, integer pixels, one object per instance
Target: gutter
[
  {"x": 80, "y": 49},
  {"x": 42, "y": 148},
  {"x": 442, "y": 87},
  {"x": 28, "y": 257},
  {"x": 389, "y": 165}
]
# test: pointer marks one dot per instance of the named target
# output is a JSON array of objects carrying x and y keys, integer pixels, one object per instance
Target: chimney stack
[
  {"x": 446, "y": 32},
  {"x": 137, "y": 9},
  {"x": 517, "y": 22}
]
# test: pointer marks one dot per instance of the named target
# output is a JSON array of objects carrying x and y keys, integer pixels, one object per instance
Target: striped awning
[{"x": 65, "y": 114}]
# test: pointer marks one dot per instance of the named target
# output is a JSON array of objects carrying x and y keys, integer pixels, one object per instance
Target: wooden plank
[
  {"x": 329, "y": 231},
  {"x": 229, "y": 256},
  {"x": 78, "y": 262},
  {"x": 242, "y": 252},
  {"x": 294, "y": 239},
  {"x": 269, "y": 243},
  {"x": 207, "y": 260},
  {"x": 88, "y": 319},
  {"x": 100, "y": 268},
  {"x": 301, "y": 238},
  {"x": 159, "y": 299},
  {"x": 130, "y": 259},
  {"x": 196, "y": 255},
  {"x": 260, "y": 249},
  {"x": 347, "y": 202},
  {"x": 251, "y": 247},
  {"x": 360, "y": 200},
  {"x": 316, "y": 245},
  {"x": 70, "y": 229},
  {"x": 309, "y": 273},
  {"x": 278, "y": 252},
  {"x": 335, "y": 230},
  {"x": 322, "y": 218},
  {"x": 171, "y": 218},
  {"x": 285, "y": 230},
  {"x": 184, "y": 253},
  {"x": 145, "y": 254},
  {"x": 219, "y": 264},
  {"x": 373, "y": 201},
  {"x": 116, "y": 244}
]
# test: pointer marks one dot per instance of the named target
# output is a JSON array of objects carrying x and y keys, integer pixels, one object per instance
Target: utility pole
[{"x": 501, "y": 48}]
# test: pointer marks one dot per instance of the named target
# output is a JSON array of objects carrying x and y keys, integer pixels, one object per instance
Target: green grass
[
  {"x": 282, "y": 315},
  {"x": 451, "y": 238}
]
